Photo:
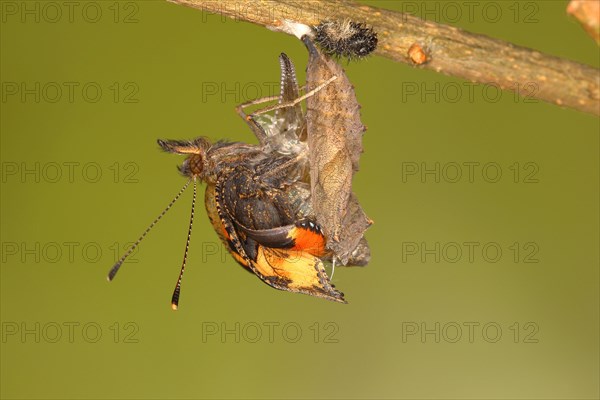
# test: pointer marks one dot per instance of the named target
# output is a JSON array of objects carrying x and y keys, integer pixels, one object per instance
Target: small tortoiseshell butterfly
[
  {"x": 257, "y": 197},
  {"x": 265, "y": 201}
]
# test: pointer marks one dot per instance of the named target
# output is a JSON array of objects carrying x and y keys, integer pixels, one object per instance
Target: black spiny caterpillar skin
[{"x": 345, "y": 39}]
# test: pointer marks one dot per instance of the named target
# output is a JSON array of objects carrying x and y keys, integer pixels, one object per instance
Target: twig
[
  {"x": 588, "y": 15},
  {"x": 449, "y": 50}
]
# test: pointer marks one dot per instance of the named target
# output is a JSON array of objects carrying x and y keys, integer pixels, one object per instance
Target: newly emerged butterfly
[{"x": 259, "y": 198}]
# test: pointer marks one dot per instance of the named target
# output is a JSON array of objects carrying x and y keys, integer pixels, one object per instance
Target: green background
[{"x": 172, "y": 57}]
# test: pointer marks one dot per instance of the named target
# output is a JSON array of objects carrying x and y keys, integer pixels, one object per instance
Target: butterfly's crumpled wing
[
  {"x": 287, "y": 130},
  {"x": 290, "y": 119},
  {"x": 262, "y": 229},
  {"x": 334, "y": 147},
  {"x": 295, "y": 271}
]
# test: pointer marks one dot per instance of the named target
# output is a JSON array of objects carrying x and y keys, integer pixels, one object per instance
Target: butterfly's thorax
[
  {"x": 247, "y": 171},
  {"x": 223, "y": 157}
]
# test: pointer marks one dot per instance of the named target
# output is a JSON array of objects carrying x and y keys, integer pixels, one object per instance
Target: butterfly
[{"x": 258, "y": 197}]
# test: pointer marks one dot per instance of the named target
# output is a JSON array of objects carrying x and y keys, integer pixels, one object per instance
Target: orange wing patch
[
  {"x": 295, "y": 271},
  {"x": 308, "y": 237}
]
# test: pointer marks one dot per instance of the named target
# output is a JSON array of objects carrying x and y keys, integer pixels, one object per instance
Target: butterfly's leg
[
  {"x": 296, "y": 101},
  {"x": 258, "y": 130}
]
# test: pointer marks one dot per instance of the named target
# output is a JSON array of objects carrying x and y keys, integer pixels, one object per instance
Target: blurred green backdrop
[{"x": 480, "y": 285}]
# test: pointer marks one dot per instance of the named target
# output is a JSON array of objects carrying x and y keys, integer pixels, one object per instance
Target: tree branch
[{"x": 448, "y": 50}]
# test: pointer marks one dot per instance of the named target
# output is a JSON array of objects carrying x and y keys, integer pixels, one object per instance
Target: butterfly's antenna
[
  {"x": 113, "y": 271},
  {"x": 177, "y": 291}
]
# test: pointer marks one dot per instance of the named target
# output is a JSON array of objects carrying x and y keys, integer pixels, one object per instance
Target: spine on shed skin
[{"x": 345, "y": 39}]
